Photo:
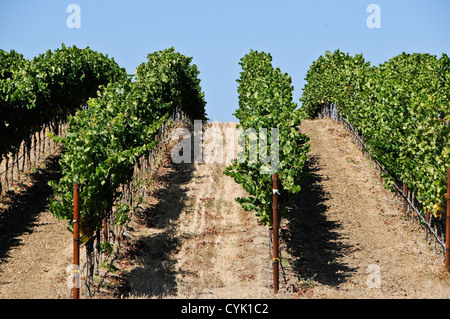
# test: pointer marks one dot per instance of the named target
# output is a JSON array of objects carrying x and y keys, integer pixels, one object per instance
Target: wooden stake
[
  {"x": 447, "y": 225},
  {"x": 76, "y": 242},
  {"x": 276, "y": 259}
]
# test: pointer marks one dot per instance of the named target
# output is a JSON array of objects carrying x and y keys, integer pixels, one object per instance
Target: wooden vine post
[
  {"x": 76, "y": 242},
  {"x": 276, "y": 259},
  {"x": 447, "y": 225}
]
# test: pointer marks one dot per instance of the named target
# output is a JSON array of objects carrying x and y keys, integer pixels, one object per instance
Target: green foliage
[
  {"x": 399, "y": 106},
  {"x": 170, "y": 80},
  {"x": 106, "y": 248},
  {"x": 265, "y": 102},
  {"x": 105, "y": 140},
  {"x": 47, "y": 89}
]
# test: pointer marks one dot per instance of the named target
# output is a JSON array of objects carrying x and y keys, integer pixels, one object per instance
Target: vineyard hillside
[{"x": 193, "y": 240}]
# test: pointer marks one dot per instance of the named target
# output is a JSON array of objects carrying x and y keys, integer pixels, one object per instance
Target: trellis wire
[
  {"x": 31, "y": 144},
  {"x": 330, "y": 110},
  {"x": 142, "y": 168}
]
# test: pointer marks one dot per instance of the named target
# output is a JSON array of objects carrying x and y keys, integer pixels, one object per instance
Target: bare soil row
[{"x": 345, "y": 236}]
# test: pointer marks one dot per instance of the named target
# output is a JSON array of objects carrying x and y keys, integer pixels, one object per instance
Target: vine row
[
  {"x": 43, "y": 91},
  {"x": 400, "y": 107},
  {"x": 265, "y": 103},
  {"x": 107, "y": 139}
]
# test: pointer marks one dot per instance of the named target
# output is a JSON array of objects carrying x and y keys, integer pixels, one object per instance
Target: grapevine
[
  {"x": 104, "y": 141},
  {"x": 400, "y": 107},
  {"x": 265, "y": 102}
]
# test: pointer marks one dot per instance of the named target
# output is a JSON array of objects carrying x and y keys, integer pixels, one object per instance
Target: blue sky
[{"x": 218, "y": 33}]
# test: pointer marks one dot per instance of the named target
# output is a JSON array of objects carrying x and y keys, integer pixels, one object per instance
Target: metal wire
[
  {"x": 33, "y": 148},
  {"x": 330, "y": 111},
  {"x": 279, "y": 253}
]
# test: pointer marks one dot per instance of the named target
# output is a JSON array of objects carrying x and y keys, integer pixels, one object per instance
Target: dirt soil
[
  {"x": 35, "y": 247},
  {"x": 200, "y": 243},
  {"x": 347, "y": 236},
  {"x": 190, "y": 239}
]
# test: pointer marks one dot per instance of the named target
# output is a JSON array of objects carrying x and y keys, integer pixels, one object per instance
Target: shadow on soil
[
  {"x": 157, "y": 279},
  {"x": 311, "y": 238},
  {"x": 26, "y": 205}
]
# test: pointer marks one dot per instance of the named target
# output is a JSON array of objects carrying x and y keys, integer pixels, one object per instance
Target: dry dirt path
[
  {"x": 198, "y": 243},
  {"x": 35, "y": 247},
  {"x": 195, "y": 242},
  {"x": 347, "y": 235},
  {"x": 201, "y": 244}
]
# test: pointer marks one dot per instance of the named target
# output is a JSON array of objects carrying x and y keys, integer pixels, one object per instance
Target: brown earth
[
  {"x": 191, "y": 239},
  {"x": 35, "y": 247},
  {"x": 345, "y": 229},
  {"x": 201, "y": 243}
]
